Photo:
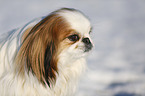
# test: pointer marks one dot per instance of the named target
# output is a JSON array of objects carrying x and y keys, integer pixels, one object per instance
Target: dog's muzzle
[{"x": 88, "y": 44}]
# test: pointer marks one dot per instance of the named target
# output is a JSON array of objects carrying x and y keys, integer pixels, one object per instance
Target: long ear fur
[{"x": 38, "y": 52}]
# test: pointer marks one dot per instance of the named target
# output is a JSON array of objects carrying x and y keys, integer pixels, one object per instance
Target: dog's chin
[
  {"x": 74, "y": 55},
  {"x": 79, "y": 54}
]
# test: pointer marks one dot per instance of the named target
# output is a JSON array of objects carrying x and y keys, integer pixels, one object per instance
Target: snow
[{"x": 116, "y": 66}]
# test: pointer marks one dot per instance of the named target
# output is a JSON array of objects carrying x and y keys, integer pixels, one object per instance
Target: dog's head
[{"x": 64, "y": 32}]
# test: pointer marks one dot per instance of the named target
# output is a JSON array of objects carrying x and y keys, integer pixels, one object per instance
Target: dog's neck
[{"x": 68, "y": 75}]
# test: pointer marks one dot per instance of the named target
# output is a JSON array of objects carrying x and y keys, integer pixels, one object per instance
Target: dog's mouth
[
  {"x": 85, "y": 48},
  {"x": 88, "y": 47}
]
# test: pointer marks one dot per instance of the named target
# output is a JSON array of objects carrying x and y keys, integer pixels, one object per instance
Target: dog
[{"x": 46, "y": 56}]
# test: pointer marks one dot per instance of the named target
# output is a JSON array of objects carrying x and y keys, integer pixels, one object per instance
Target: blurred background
[{"x": 116, "y": 66}]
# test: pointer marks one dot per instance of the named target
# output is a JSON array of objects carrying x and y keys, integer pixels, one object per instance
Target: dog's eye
[{"x": 74, "y": 37}]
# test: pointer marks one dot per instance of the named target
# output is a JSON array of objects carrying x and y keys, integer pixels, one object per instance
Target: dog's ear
[{"x": 38, "y": 50}]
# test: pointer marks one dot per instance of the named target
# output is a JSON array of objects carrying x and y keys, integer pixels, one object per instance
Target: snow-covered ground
[{"x": 116, "y": 66}]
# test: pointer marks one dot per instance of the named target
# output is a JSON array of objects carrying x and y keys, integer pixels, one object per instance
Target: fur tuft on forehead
[
  {"x": 75, "y": 18},
  {"x": 39, "y": 48}
]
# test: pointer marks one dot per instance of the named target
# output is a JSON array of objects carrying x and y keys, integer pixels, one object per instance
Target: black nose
[{"x": 88, "y": 44}]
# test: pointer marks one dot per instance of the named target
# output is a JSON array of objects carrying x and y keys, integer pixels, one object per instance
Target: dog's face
[{"x": 78, "y": 42}]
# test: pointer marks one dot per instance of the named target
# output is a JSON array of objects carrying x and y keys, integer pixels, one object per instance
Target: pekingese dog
[{"x": 45, "y": 57}]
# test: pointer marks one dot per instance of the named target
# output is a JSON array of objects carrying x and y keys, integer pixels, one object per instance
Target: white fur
[
  {"x": 70, "y": 65},
  {"x": 78, "y": 22}
]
